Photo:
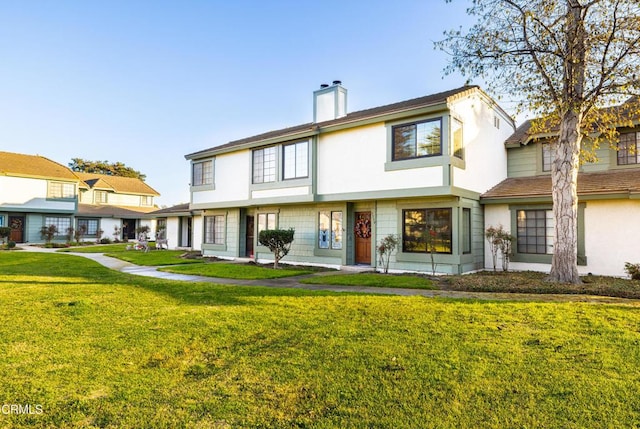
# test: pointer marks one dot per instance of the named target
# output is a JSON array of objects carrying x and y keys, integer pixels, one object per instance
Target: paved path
[{"x": 294, "y": 282}]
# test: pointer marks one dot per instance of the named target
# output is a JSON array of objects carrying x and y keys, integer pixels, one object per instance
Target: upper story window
[
  {"x": 146, "y": 200},
  {"x": 101, "y": 197},
  {"x": 547, "y": 156},
  {"x": 264, "y": 165},
  {"x": 295, "y": 160},
  {"x": 62, "y": 190},
  {"x": 456, "y": 133},
  {"x": 417, "y": 140},
  {"x": 202, "y": 173},
  {"x": 628, "y": 148}
]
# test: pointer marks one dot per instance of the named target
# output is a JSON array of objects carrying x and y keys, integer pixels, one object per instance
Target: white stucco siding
[
  {"x": 123, "y": 200},
  {"x": 485, "y": 156},
  {"x": 108, "y": 225},
  {"x": 232, "y": 175},
  {"x": 354, "y": 161},
  {"x": 611, "y": 236},
  {"x": 281, "y": 192},
  {"x": 198, "y": 232},
  {"x": 29, "y": 194},
  {"x": 172, "y": 232}
]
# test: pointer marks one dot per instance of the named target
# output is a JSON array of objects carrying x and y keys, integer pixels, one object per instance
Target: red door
[
  {"x": 362, "y": 233},
  {"x": 16, "y": 223}
]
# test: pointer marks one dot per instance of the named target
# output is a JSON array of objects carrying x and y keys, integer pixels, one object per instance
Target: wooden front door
[
  {"x": 16, "y": 223},
  {"x": 362, "y": 233},
  {"x": 250, "y": 236}
]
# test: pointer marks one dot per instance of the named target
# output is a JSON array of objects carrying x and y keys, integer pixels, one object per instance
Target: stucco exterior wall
[
  {"x": 29, "y": 194},
  {"x": 609, "y": 237},
  {"x": 485, "y": 157},
  {"x": 231, "y": 177}
]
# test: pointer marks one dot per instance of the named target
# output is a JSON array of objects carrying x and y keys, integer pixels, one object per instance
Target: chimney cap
[
  {"x": 324, "y": 85},
  {"x": 337, "y": 82}
]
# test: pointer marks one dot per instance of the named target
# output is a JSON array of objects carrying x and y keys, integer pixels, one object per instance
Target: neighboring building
[
  {"x": 415, "y": 169},
  {"x": 34, "y": 192},
  {"x": 37, "y": 192},
  {"x": 176, "y": 225},
  {"x": 114, "y": 203},
  {"x": 608, "y": 193}
]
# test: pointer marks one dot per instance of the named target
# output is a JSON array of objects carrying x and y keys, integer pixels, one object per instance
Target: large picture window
[
  {"x": 62, "y": 190},
  {"x": 214, "y": 229},
  {"x": 330, "y": 230},
  {"x": 202, "y": 173},
  {"x": 628, "y": 148},
  {"x": 62, "y": 224},
  {"x": 296, "y": 160},
  {"x": 535, "y": 231},
  {"x": 264, "y": 165},
  {"x": 417, "y": 140},
  {"x": 426, "y": 231}
]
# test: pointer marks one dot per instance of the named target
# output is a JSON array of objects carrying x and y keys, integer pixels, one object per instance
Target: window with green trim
[
  {"x": 266, "y": 221},
  {"x": 330, "y": 230},
  {"x": 535, "y": 231},
  {"x": 214, "y": 229},
  {"x": 426, "y": 230},
  {"x": 417, "y": 140},
  {"x": 628, "y": 148},
  {"x": 62, "y": 224}
]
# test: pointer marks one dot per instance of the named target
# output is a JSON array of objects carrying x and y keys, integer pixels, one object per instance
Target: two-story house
[
  {"x": 415, "y": 169},
  {"x": 608, "y": 192},
  {"x": 114, "y": 203},
  {"x": 34, "y": 192}
]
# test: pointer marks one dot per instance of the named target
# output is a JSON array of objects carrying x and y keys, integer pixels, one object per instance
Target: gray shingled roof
[{"x": 414, "y": 103}]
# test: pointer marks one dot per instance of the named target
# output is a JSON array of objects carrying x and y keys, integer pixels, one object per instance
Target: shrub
[
  {"x": 48, "y": 232},
  {"x": 105, "y": 240},
  {"x": 386, "y": 247},
  {"x": 11, "y": 244},
  {"x": 633, "y": 270},
  {"x": 5, "y": 232},
  {"x": 80, "y": 232},
  {"x": 278, "y": 241}
]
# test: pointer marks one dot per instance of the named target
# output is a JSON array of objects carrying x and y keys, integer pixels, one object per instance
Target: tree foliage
[
  {"x": 278, "y": 241},
  {"x": 568, "y": 62},
  {"x": 105, "y": 167}
]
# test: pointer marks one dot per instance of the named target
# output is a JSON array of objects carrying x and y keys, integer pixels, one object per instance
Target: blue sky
[{"x": 146, "y": 82}]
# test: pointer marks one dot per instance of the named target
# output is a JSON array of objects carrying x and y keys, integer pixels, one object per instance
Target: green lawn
[
  {"x": 98, "y": 348},
  {"x": 373, "y": 280},
  {"x": 237, "y": 271},
  {"x": 151, "y": 258}
]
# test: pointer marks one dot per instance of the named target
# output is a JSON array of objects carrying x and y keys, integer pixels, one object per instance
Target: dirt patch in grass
[{"x": 534, "y": 282}]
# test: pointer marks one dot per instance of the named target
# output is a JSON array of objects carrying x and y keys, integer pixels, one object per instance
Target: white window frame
[{"x": 62, "y": 190}]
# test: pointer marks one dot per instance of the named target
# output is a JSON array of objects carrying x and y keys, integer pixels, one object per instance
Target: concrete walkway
[{"x": 294, "y": 283}]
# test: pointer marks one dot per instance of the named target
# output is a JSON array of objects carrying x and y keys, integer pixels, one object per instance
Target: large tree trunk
[{"x": 564, "y": 174}]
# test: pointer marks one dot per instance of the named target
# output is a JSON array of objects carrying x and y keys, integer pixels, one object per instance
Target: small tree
[
  {"x": 5, "y": 232},
  {"x": 491, "y": 234},
  {"x": 69, "y": 235},
  {"x": 386, "y": 247},
  {"x": 505, "y": 241},
  {"x": 278, "y": 241},
  {"x": 80, "y": 232},
  {"x": 499, "y": 241},
  {"x": 48, "y": 232}
]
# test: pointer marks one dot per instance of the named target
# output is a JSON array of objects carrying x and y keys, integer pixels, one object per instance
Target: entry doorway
[
  {"x": 362, "y": 233},
  {"x": 129, "y": 229},
  {"x": 250, "y": 236},
  {"x": 16, "y": 223}
]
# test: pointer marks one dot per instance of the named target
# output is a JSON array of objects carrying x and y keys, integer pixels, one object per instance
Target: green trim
[
  {"x": 407, "y": 164},
  {"x": 537, "y": 258}
]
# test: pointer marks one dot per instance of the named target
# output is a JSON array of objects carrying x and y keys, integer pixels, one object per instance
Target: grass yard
[
  {"x": 373, "y": 280},
  {"x": 151, "y": 258},
  {"x": 98, "y": 348},
  {"x": 238, "y": 271}
]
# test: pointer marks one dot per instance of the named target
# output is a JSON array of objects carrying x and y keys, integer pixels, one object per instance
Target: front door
[
  {"x": 362, "y": 233},
  {"x": 129, "y": 229},
  {"x": 16, "y": 223},
  {"x": 250, "y": 236}
]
